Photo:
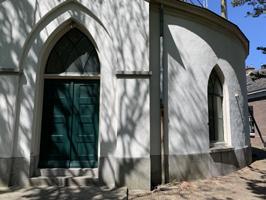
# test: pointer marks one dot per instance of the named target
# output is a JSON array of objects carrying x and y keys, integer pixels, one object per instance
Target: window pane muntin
[{"x": 74, "y": 52}]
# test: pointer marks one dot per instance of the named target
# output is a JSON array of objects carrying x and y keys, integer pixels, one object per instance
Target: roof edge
[
  {"x": 257, "y": 91},
  {"x": 207, "y": 15}
]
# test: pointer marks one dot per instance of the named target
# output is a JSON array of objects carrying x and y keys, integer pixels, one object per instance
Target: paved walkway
[{"x": 60, "y": 193}]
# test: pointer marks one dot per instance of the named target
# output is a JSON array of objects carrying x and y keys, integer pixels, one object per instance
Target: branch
[
  {"x": 236, "y": 3},
  {"x": 259, "y": 6},
  {"x": 263, "y": 49}
]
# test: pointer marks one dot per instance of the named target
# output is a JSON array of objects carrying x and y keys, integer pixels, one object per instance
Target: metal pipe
[
  {"x": 224, "y": 8},
  {"x": 162, "y": 91}
]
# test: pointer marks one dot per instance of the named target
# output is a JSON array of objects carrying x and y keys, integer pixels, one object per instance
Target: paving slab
[{"x": 60, "y": 193}]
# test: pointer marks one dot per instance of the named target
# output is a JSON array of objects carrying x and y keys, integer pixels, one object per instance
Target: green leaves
[
  {"x": 259, "y": 6},
  {"x": 236, "y": 3}
]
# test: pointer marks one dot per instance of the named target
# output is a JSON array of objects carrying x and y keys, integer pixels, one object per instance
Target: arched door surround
[{"x": 70, "y": 118}]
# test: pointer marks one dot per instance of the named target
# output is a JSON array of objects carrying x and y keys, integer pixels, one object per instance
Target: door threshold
[
  {"x": 66, "y": 181},
  {"x": 73, "y": 172}
]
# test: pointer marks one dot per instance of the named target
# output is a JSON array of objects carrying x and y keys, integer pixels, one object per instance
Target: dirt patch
[{"x": 247, "y": 183}]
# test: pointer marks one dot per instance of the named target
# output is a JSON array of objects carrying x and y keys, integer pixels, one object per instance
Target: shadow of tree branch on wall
[
  {"x": 11, "y": 44},
  {"x": 25, "y": 14}
]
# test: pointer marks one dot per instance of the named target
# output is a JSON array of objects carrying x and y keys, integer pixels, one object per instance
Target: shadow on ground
[
  {"x": 257, "y": 186},
  {"x": 258, "y": 154},
  {"x": 247, "y": 183},
  {"x": 57, "y": 193}
]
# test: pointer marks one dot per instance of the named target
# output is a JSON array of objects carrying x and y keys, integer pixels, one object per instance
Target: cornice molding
[
  {"x": 9, "y": 71},
  {"x": 207, "y": 15}
]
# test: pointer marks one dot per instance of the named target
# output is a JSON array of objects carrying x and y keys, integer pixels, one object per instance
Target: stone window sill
[{"x": 220, "y": 147}]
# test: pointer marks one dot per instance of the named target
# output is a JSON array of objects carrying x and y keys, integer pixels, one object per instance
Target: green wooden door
[
  {"x": 70, "y": 124},
  {"x": 85, "y": 126}
]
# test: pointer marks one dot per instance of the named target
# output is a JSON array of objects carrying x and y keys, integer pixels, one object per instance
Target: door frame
[
  {"x": 41, "y": 76},
  {"x": 72, "y": 79}
]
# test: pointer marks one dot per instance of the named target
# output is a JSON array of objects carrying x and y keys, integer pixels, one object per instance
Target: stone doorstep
[
  {"x": 66, "y": 177},
  {"x": 4, "y": 189},
  {"x": 89, "y": 185},
  {"x": 73, "y": 172},
  {"x": 64, "y": 181}
]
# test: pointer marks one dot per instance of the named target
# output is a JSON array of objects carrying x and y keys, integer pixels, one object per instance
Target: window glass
[
  {"x": 218, "y": 87},
  {"x": 215, "y": 108},
  {"x": 74, "y": 52}
]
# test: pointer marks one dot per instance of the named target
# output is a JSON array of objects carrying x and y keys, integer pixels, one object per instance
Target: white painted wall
[
  {"x": 120, "y": 30},
  {"x": 20, "y": 18},
  {"x": 8, "y": 94},
  {"x": 192, "y": 49},
  {"x": 28, "y": 31},
  {"x": 133, "y": 118}
]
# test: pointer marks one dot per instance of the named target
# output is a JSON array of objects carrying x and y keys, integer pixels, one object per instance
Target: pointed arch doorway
[{"x": 70, "y": 117}]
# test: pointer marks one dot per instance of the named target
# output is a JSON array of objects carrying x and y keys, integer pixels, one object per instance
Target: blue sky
[{"x": 253, "y": 28}]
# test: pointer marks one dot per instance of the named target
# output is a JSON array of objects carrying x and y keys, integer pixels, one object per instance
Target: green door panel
[
  {"x": 70, "y": 124},
  {"x": 56, "y": 123},
  {"x": 85, "y": 124}
]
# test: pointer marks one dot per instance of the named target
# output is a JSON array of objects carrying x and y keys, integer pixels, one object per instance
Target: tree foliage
[{"x": 259, "y": 6}]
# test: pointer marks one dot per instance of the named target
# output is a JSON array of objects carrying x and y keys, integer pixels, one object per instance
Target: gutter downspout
[{"x": 162, "y": 93}]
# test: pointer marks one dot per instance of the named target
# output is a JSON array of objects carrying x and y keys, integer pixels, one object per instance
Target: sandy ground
[{"x": 248, "y": 183}]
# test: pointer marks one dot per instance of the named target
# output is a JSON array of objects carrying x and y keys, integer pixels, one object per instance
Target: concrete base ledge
[
  {"x": 13, "y": 171},
  {"x": 134, "y": 173},
  {"x": 5, "y": 171},
  {"x": 200, "y": 166}
]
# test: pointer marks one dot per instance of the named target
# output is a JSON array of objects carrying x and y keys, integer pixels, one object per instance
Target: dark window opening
[
  {"x": 74, "y": 52},
  {"x": 215, "y": 107}
]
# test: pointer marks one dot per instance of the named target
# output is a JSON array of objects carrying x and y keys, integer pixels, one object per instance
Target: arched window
[
  {"x": 215, "y": 106},
  {"x": 74, "y": 53}
]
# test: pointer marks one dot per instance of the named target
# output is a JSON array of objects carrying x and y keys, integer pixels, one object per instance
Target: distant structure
[{"x": 256, "y": 87}]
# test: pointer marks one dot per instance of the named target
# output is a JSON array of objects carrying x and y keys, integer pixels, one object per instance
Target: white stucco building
[{"x": 130, "y": 92}]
